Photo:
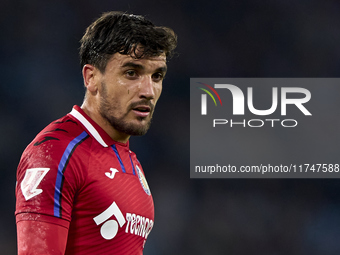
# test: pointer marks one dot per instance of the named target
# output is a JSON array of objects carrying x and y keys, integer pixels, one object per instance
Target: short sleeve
[{"x": 47, "y": 180}]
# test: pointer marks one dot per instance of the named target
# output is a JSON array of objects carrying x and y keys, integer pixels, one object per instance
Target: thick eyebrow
[
  {"x": 133, "y": 65},
  {"x": 162, "y": 69}
]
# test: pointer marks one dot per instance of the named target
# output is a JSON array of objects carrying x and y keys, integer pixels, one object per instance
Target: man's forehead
[
  {"x": 153, "y": 63},
  {"x": 122, "y": 59}
]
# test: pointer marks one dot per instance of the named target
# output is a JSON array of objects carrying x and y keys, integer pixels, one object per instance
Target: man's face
[{"x": 129, "y": 90}]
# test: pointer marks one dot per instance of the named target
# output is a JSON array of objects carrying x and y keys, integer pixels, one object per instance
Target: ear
[{"x": 90, "y": 78}]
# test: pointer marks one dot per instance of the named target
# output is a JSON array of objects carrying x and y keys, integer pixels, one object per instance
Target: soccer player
[{"x": 80, "y": 190}]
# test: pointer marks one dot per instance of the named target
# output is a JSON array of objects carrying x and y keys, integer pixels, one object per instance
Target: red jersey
[{"x": 74, "y": 175}]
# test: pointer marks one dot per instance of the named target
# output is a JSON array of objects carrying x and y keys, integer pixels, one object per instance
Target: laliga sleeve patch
[
  {"x": 29, "y": 184},
  {"x": 143, "y": 181}
]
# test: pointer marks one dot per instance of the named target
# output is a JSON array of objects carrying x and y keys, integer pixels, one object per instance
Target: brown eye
[
  {"x": 158, "y": 76},
  {"x": 131, "y": 74}
]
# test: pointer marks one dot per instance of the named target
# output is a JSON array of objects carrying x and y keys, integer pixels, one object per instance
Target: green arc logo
[{"x": 209, "y": 93}]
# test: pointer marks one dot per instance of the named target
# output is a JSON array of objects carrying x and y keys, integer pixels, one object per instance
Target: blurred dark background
[{"x": 255, "y": 38}]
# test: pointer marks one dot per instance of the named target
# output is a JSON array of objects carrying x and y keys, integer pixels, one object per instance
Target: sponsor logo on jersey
[
  {"x": 138, "y": 225},
  {"x": 110, "y": 227},
  {"x": 135, "y": 224},
  {"x": 111, "y": 174},
  {"x": 143, "y": 181}
]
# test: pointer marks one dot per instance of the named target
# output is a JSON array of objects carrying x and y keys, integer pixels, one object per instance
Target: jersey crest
[{"x": 143, "y": 181}]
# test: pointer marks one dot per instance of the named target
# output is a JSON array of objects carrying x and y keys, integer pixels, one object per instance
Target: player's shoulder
[
  {"x": 56, "y": 138},
  {"x": 62, "y": 143},
  {"x": 60, "y": 131}
]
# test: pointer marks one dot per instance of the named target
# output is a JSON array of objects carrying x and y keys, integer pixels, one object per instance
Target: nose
[{"x": 147, "y": 89}]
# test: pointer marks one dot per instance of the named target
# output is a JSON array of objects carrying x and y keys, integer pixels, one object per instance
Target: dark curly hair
[{"x": 120, "y": 32}]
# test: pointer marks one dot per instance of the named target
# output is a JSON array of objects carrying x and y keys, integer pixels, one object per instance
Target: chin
[{"x": 136, "y": 129}]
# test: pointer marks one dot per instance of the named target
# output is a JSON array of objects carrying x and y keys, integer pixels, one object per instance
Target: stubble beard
[{"x": 109, "y": 110}]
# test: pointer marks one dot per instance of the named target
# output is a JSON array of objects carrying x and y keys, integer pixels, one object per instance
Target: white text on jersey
[{"x": 138, "y": 225}]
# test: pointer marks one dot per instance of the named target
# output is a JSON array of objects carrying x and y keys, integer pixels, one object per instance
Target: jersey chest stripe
[
  {"x": 114, "y": 148},
  {"x": 133, "y": 168},
  {"x": 61, "y": 169}
]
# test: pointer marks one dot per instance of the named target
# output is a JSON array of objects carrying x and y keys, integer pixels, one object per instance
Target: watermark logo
[
  {"x": 204, "y": 98},
  {"x": 263, "y": 127},
  {"x": 239, "y": 99},
  {"x": 280, "y": 99}
]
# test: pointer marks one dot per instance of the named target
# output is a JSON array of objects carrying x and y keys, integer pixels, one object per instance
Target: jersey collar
[{"x": 93, "y": 128}]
